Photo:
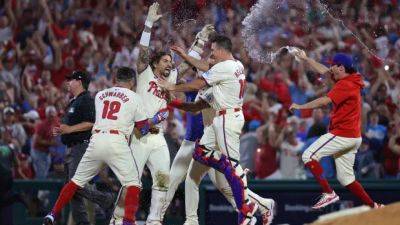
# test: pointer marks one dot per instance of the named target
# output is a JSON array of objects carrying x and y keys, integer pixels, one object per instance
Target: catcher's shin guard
[{"x": 229, "y": 167}]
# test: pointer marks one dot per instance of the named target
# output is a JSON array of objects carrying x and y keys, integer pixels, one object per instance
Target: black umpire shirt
[{"x": 80, "y": 109}]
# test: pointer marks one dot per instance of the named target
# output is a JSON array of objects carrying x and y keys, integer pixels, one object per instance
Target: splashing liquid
[{"x": 265, "y": 23}]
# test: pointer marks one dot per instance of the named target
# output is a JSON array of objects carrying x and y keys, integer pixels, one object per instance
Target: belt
[
  {"x": 69, "y": 145},
  {"x": 110, "y": 132},
  {"x": 226, "y": 111}
]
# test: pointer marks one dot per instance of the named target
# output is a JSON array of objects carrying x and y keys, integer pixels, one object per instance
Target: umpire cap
[
  {"x": 125, "y": 74},
  {"x": 80, "y": 75}
]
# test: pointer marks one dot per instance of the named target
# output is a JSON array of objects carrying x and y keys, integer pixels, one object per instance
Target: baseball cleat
[
  {"x": 48, "y": 220},
  {"x": 153, "y": 223},
  {"x": 190, "y": 223},
  {"x": 267, "y": 209},
  {"x": 378, "y": 206},
  {"x": 326, "y": 199},
  {"x": 246, "y": 215}
]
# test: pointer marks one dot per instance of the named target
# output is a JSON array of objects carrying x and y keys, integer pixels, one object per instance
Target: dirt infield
[{"x": 390, "y": 215}]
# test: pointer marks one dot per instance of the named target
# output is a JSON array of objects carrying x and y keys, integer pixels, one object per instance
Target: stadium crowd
[{"x": 43, "y": 41}]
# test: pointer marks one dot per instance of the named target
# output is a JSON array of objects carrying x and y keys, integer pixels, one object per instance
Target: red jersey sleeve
[{"x": 339, "y": 93}]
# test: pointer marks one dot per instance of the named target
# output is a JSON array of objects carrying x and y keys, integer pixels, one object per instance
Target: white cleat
[
  {"x": 153, "y": 223},
  {"x": 190, "y": 223},
  {"x": 48, "y": 220},
  {"x": 267, "y": 209},
  {"x": 378, "y": 206},
  {"x": 326, "y": 199}
]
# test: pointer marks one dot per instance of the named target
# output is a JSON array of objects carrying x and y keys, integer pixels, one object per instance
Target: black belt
[{"x": 69, "y": 145}]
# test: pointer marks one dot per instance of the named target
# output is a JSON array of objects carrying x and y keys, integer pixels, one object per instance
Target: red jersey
[
  {"x": 346, "y": 114},
  {"x": 44, "y": 130},
  {"x": 265, "y": 161}
]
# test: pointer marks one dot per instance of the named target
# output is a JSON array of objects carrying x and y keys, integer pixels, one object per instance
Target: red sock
[
  {"x": 65, "y": 196},
  {"x": 317, "y": 171},
  {"x": 131, "y": 203},
  {"x": 359, "y": 191}
]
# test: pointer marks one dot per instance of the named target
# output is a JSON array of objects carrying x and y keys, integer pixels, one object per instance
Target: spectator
[
  {"x": 290, "y": 163},
  {"x": 14, "y": 128},
  {"x": 375, "y": 132},
  {"x": 249, "y": 145},
  {"x": 394, "y": 145},
  {"x": 266, "y": 163},
  {"x": 365, "y": 165},
  {"x": 43, "y": 140},
  {"x": 8, "y": 161},
  {"x": 30, "y": 119}
]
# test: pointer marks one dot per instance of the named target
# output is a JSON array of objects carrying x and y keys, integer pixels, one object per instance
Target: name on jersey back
[{"x": 117, "y": 94}]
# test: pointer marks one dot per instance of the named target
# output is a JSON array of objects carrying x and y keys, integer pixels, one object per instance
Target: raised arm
[
  {"x": 201, "y": 65},
  {"x": 144, "y": 53},
  {"x": 197, "y": 48},
  {"x": 316, "y": 66},
  {"x": 10, "y": 14},
  {"x": 46, "y": 9}
]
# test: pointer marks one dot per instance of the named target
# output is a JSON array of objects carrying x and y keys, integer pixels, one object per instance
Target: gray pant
[{"x": 103, "y": 199}]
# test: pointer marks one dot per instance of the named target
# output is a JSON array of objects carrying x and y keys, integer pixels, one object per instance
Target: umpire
[{"x": 75, "y": 130}]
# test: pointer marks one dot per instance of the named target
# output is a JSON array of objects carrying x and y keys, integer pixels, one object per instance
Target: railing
[{"x": 291, "y": 196}]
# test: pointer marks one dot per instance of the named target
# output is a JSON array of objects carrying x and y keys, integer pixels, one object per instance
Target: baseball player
[
  {"x": 227, "y": 78},
  {"x": 344, "y": 136},
  {"x": 118, "y": 111},
  {"x": 184, "y": 159},
  {"x": 152, "y": 150}
]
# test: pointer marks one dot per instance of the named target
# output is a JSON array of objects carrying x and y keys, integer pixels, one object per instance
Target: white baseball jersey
[
  {"x": 228, "y": 82},
  {"x": 118, "y": 108},
  {"x": 154, "y": 99}
]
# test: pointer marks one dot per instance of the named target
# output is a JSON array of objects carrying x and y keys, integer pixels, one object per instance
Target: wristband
[
  {"x": 195, "y": 54},
  {"x": 148, "y": 24},
  {"x": 145, "y": 39},
  {"x": 143, "y": 126},
  {"x": 176, "y": 103}
]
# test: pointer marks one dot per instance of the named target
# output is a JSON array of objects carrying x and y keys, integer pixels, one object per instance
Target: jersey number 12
[{"x": 110, "y": 108}]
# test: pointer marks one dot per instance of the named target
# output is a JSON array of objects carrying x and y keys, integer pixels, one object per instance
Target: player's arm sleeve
[
  {"x": 214, "y": 75},
  {"x": 339, "y": 94}
]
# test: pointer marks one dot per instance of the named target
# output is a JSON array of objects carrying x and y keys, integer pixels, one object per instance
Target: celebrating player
[
  {"x": 227, "y": 78},
  {"x": 184, "y": 159},
  {"x": 344, "y": 136},
  {"x": 118, "y": 111},
  {"x": 153, "y": 150}
]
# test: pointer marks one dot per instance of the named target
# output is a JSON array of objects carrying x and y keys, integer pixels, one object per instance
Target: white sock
[
  {"x": 193, "y": 179},
  {"x": 178, "y": 171},
  {"x": 157, "y": 202}
]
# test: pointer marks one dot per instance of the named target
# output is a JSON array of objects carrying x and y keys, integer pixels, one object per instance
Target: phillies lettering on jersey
[
  {"x": 153, "y": 88},
  {"x": 154, "y": 99}
]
